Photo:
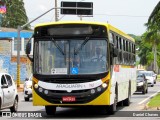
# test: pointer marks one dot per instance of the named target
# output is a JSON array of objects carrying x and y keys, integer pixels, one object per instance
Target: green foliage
[
  {"x": 151, "y": 39},
  {"x": 154, "y": 18},
  {"x": 145, "y": 48},
  {"x": 16, "y": 14},
  {"x": 145, "y": 53}
]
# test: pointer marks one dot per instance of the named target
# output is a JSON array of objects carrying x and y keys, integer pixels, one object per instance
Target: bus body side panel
[{"x": 122, "y": 75}]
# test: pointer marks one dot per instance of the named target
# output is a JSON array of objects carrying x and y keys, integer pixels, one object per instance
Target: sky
[{"x": 127, "y": 15}]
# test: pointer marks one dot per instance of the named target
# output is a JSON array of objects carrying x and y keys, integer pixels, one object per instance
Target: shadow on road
[{"x": 83, "y": 112}]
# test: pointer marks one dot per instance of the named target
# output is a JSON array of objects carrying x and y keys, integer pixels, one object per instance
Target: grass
[{"x": 155, "y": 101}]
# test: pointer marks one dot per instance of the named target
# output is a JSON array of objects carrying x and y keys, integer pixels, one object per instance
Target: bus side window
[
  {"x": 120, "y": 50},
  {"x": 129, "y": 53},
  {"x": 126, "y": 51},
  {"x": 111, "y": 37},
  {"x": 117, "y": 42},
  {"x": 117, "y": 46}
]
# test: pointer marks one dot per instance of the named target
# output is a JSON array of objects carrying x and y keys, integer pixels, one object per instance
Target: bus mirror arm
[{"x": 31, "y": 59}]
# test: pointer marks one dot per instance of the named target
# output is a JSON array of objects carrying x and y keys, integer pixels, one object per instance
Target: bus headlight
[
  {"x": 93, "y": 91},
  {"x": 104, "y": 85},
  {"x": 99, "y": 89},
  {"x": 36, "y": 86},
  {"x": 46, "y": 92},
  {"x": 40, "y": 89}
]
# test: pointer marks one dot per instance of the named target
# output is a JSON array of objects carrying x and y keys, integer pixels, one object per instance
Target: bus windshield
[{"x": 71, "y": 56}]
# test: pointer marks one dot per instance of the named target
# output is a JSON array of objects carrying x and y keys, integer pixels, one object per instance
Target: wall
[
  {"x": 8, "y": 56},
  {"x": 6, "y": 65}
]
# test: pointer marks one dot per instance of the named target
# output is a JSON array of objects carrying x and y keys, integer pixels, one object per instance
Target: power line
[
  {"x": 140, "y": 16},
  {"x": 122, "y": 15}
]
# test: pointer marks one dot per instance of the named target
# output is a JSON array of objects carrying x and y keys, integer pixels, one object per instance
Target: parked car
[
  {"x": 150, "y": 76},
  {"x": 8, "y": 93},
  {"x": 142, "y": 85},
  {"x": 28, "y": 88}
]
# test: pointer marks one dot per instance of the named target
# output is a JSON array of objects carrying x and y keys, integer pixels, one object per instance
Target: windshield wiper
[
  {"x": 80, "y": 47},
  {"x": 59, "y": 48}
]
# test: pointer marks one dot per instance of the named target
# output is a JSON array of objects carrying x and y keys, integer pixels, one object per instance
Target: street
[{"x": 137, "y": 104}]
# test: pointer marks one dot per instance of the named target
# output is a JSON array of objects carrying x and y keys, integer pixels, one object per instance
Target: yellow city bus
[{"x": 82, "y": 64}]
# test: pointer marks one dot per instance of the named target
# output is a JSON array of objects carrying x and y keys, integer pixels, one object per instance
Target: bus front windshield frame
[{"x": 70, "y": 56}]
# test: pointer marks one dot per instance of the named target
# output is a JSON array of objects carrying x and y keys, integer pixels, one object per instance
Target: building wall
[
  {"x": 8, "y": 58},
  {"x": 5, "y": 47},
  {"x": 6, "y": 65}
]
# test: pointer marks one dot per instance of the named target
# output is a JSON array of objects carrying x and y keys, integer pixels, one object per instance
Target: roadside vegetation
[
  {"x": 15, "y": 15},
  {"x": 149, "y": 48},
  {"x": 149, "y": 45},
  {"x": 155, "y": 102}
]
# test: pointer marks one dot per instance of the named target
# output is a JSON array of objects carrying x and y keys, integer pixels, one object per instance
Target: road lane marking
[{"x": 148, "y": 97}]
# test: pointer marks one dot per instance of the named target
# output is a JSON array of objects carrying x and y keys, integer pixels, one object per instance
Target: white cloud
[{"x": 42, "y": 8}]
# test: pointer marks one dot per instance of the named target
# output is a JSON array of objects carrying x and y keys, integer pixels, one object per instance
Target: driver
[{"x": 98, "y": 55}]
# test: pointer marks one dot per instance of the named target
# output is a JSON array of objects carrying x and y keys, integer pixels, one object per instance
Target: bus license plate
[{"x": 68, "y": 98}]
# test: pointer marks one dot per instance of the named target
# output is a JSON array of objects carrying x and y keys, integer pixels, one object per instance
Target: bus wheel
[
  {"x": 126, "y": 102},
  {"x": 113, "y": 108},
  {"x": 50, "y": 110}
]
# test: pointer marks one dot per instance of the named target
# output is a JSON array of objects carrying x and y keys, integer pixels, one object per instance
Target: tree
[
  {"x": 138, "y": 40},
  {"x": 145, "y": 50},
  {"x": 153, "y": 34},
  {"x": 16, "y": 14},
  {"x": 154, "y": 18}
]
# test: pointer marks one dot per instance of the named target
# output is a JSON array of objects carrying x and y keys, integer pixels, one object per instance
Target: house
[{"x": 8, "y": 52}]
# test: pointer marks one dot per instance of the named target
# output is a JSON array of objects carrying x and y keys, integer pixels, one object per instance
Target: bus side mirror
[{"x": 28, "y": 48}]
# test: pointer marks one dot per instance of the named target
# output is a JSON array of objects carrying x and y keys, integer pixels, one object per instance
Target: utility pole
[{"x": 56, "y": 11}]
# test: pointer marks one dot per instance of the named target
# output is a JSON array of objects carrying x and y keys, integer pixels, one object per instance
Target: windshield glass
[
  {"x": 147, "y": 74},
  {"x": 71, "y": 56}
]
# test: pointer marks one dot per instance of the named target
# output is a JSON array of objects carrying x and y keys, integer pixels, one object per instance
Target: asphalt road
[{"x": 138, "y": 102}]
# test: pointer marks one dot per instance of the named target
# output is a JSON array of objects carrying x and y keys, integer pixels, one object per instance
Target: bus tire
[
  {"x": 50, "y": 110},
  {"x": 127, "y": 101},
  {"x": 113, "y": 108}
]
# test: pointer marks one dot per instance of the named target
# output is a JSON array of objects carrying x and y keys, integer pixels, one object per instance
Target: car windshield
[
  {"x": 140, "y": 77},
  {"x": 70, "y": 56},
  {"x": 149, "y": 74}
]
